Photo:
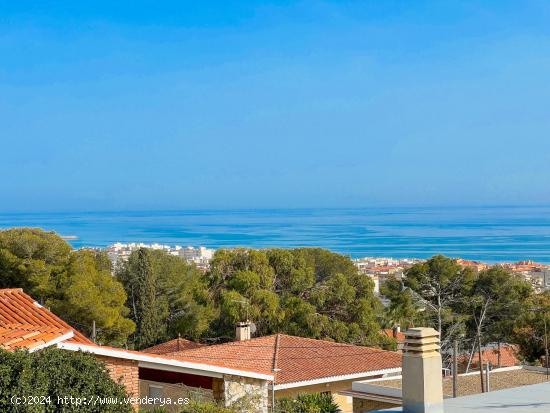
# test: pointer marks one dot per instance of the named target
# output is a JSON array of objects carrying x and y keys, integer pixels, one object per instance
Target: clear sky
[{"x": 108, "y": 105}]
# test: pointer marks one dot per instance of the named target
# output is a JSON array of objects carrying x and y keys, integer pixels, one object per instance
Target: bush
[
  {"x": 308, "y": 403},
  {"x": 52, "y": 373}
]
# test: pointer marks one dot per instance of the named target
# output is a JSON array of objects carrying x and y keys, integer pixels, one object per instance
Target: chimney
[
  {"x": 396, "y": 330},
  {"x": 422, "y": 380},
  {"x": 242, "y": 331}
]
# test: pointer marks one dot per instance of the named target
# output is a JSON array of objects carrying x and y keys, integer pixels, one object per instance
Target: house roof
[
  {"x": 21, "y": 316},
  {"x": 398, "y": 335},
  {"x": 296, "y": 360},
  {"x": 508, "y": 356},
  {"x": 165, "y": 362},
  {"x": 24, "y": 336},
  {"x": 172, "y": 346}
]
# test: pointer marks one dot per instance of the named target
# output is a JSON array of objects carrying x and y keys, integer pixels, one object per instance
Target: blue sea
[{"x": 490, "y": 234}]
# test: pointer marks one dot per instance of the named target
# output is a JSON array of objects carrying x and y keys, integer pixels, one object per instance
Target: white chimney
[
  {"x": 242, "y": 331},
  {"x": 422, "y": 379},
  {"x": 396, "y": 330}
]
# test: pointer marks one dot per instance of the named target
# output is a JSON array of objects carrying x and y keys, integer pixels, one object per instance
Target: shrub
[
  {"x": 308, "y": 403},
  {"x": 51, "y": 375}
]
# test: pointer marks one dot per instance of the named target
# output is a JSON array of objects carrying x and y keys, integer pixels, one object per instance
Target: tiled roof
[
  {"x": 508, "y": 356},
  {"x": 19, "y": 312},
  {"x": 172, "y": 346},
  {"x": 166, "y": 360},
  {"x": 14, "y": 336},
  {"x": 295, "y": 359}
]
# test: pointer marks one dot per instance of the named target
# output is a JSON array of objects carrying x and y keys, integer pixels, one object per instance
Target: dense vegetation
[
  {"x": 166, "y": 297},
  {"x": 306, "y": 291},
  {"x": 50, "y": 373},
  {"x": 308, "y": 403},
  {"x": 492, "y": 306},
  {"x": 76, "y": 285}
]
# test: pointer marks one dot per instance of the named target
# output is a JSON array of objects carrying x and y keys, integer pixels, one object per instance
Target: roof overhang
[
  {"x": 166, "y": 364},
  {"x": 331, "y": 379},
  {"x": 373, "y": 397}
]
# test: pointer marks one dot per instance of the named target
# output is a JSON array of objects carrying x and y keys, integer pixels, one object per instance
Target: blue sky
[{"x": 218, "y": 104}]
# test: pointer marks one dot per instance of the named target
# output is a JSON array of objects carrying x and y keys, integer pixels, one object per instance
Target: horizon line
[{"x": 250, "y": 209}]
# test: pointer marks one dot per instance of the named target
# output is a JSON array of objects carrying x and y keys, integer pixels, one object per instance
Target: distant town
[
  {"x": 380, "y": 268},
  {"x": 377, "y": 268},
  {"x": 200, "y": 256}
]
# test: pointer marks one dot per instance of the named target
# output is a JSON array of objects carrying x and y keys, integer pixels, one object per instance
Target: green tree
[
  {"x": 266, "y": 311},
  {"x": 292, "y": 273},
  {"x": 403, "y": 309},
  {"x": 87, "y": 292},
  {"x": 183, "y": 293},
  {"x": 307, "y": 291},
  {"x": 302, "y": 319},
  {"x": 31, "y": 259},
  {"x": 498, "y": 300},
  {"x": 148, "y": 310},
  {"x": 245, "y": 282},
  {"x": 57, "y": 373},
  {"x": 440, "y": 287},
  {"x": 226, "y": 263},
  {"x": 76, "y": 285},
  {"x": 168, "y": 295},
  {"x": 532, "y": 331},
  {"x": 496, "y": 303}
]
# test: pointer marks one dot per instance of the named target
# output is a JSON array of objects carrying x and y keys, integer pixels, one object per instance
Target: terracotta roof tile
[
  {"x": 297, "y": 358},
  {"x": 508, "y": 357},
  {"x": 172, "y": 346},
  {"x": 14, "y": 336},
  {"x": 398, "y": 335},
  {"x": 16, "y": 307}
]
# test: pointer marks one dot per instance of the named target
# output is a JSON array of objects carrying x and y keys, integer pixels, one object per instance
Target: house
[
  {"x": 300, "y": 365},
  {"x": 25, "y": 324},
  {"x": 173, "y": 346},
  {"x": 265, "y": 367},
  {"x": 397, "y": 335},
  {"x": 504, "y": 355}
]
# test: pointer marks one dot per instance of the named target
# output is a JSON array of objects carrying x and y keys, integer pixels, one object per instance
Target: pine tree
[{"x": 148, "y": 313}]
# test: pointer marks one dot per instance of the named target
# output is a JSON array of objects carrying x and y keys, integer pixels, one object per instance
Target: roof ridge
[
  {"x": 243, "y": 342},
  {"x": 333, "y": 343}
]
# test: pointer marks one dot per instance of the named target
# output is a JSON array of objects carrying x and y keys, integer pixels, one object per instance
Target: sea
[{"x": 489, "y": 234}]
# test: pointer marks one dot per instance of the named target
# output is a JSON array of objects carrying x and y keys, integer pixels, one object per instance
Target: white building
[{"x": 201, "y": 256}]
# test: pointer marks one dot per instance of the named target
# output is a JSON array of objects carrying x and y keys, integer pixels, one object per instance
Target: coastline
[{"x": 487, "y": 234}]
